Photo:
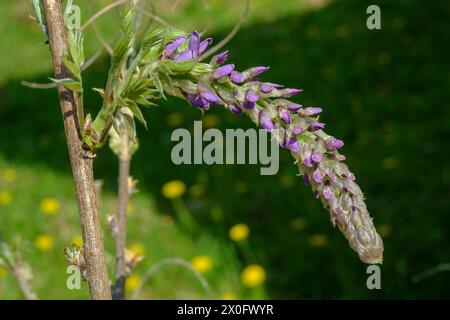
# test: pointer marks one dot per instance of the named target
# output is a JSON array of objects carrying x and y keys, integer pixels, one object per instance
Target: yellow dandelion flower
[
  {"x": 253, "y": 276},
  {"x": 196, "y": 190},
  {"x": 132, "y": 282},
  {"x": 175, "y": 119},
  {"x": 138, "y": 249},
  {"x": 50, "y": 206},
  {"x": 384, "y": 230},
  {"x": 9, "y": 175},
  {"x": 202, "y": 263},
  {"x": 173, "y": 189},
  {"x": 130, "y": 208},
  {"x": 318, "y": 240},
  {"x": 210, "y": 121},
  {"x": 298, "y": 224},
  {"x": 228, "y": 296},
  {"x": 44, "y": 242},
  {"x": 239, "y": 232},
  {"x": 3, "y": 272},
  {"x": 5, "y": 198},
  {"x": 77, "y": 240}
]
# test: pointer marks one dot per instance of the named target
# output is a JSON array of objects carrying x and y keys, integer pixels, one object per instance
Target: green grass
[{"x": 385, "y": 93}]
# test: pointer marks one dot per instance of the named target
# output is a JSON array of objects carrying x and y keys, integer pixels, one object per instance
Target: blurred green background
[{"x": 384, "y": 92}]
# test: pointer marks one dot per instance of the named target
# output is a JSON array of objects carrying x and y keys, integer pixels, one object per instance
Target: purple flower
[
  {"x": 305, "y": 179},
  {"x": 313, "y": 110},
  {"x": 204, "y": 45},
  {"x": 185, "y": 56},
  {"x": 297, "y": 130},
  {"x": 194, "y": 42},
  {"x": 316, "y": 157},
  {"x": 235, "y": 108},
  {"x": 251, "y": 96},
  {"x": 308, "y": 163},
  {"x": 293, "y": 145},
  {"x": 317, "y": 176},
  {"x": 220, "y": 58},
  {"x": 327, "y": 193},
  {"x": 253, "y": 72},
  {"x": 316, "y": 126},
  {"x": 265, "y": 121},
  {"x": 197, "y": 101},
  {"x": 209, "y": 95},
  {"x": 237, "y": 77},
  {"x": 222, "y": 71},
  {"x": 289, "y": 92},
  {"x": 268, "y": 87},
  {"x": 293, "y": 107},
  {"x": 334, "y": 143},
  {"x": 285, "y": 116},
  {"x": 173, "y": 46}
]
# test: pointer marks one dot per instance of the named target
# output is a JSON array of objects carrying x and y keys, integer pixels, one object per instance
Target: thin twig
[
  {"x": 16, "y": 267},
  {"x": 429, "y": 272},
  {"x": 176, "y": 261},
  {"x": 121, "y": 235},
  {"x": 230, "y": 36},
  {"x": 82, "y": 167}
]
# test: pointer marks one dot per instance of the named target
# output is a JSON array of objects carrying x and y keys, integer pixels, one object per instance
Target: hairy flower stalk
[
  {"x": 168, "y": 63},
  {"x": 295, "y": 127}
]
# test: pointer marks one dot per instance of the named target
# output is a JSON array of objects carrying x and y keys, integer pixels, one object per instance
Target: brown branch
[
  {"x": 97, "y": 274},
  {"x": 121, "y": 234}
]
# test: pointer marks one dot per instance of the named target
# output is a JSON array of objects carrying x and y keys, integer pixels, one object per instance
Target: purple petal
[
  {"x": 235, "y": 108},
  {"x": 293, "y": 145},
  {"x": 197, "y": 101},
  {"x": 251, "y": 96},
  {"x": 317, "y": 157},
  {"x": 237, "y": 77},
  {"x": 293, "y": 107},
  {"x": 268, "y": 87},
  {"x": 248, "y": 105},
  {"x": 289, "y": 92},
  {"x": 173, "y": 46},
  {"x": 334, "y": 143},
  {"x": 222, "y": 71},
  {"x": 316, "y": 126},
  {"x": 317, "y": 176},
  {"x": 209, "y": 96},
  {"x": 194, "y": 42},
  {"x": 220, "y": 58},
  {"x": 265, "y": 121},
  {"x": 327, "y": 193},
  {"x": 307, "y": 162},
  {"x": 185, "y": 56},
  {"x": 297, "y": 130},
  {"x": 257, "y": 71},
  {"x": 305, "y": 179},
  {"x": 313, "y": 110},
  {"x": 285, "y": 116},
  {"x": 204, "y": 45}
]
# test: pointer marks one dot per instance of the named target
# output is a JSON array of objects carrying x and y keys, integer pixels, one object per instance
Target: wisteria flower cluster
[{"x": 169, "y": 62}]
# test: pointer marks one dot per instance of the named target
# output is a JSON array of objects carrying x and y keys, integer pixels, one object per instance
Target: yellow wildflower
[
  {"x": 5, "y": 197},
  {"x": 202, "y": 263},
  {"x": 173, "y": 189},
  {"x": 229, "y": 296},
  {"x": 253, "y": 276},
  {"x": 132, "y": 282},
  {"x": 318, "y": 240},
  {"x": 50, "y": 206},
  {"x": 384, "y": 230},
  {"x": 138, "y": 249},
  {"x": 9, "y": 175},
  {"x": 44, "y": 242},
  {"x": 175, "y": 119},
  {"x": 210, "y": 121},
  {"x": 3, "y": 272},
  {"x": 78, "y": 241},
  {"x": 239, "y": 232}
]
